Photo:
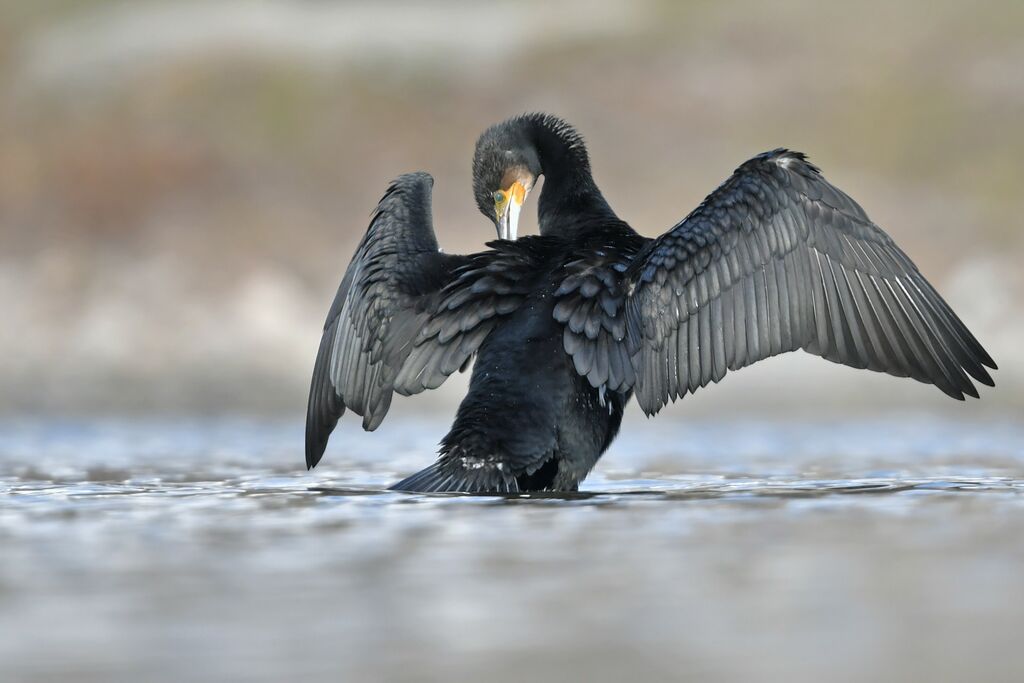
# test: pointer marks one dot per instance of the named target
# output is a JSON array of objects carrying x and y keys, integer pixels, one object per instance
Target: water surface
[{"x": 164, "y": 549}]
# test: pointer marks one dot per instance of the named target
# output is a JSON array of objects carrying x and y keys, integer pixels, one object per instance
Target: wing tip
[
  {"x": 314, "y": 453},
  {"x": 372, "y": 419},
  {"x": 323, "y": 411},
  {"x": 316, "y": 436}
]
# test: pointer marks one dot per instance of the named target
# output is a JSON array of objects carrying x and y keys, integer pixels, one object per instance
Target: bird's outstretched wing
[
  {"x": 386, "y": 297},
  {"x": 407, "y": 316},
  {"x": 776, "y": 259}
]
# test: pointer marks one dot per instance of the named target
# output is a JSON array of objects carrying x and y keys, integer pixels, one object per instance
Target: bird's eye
[{"x": 499, "y": 197}]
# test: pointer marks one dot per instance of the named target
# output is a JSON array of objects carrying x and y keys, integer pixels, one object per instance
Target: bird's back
[{"x": 526, "y": 400}]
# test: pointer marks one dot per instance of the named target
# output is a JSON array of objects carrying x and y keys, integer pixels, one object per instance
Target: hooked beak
[{"x": 507, "y": 205}]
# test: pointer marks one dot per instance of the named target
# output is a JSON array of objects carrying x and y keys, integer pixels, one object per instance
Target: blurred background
[{"x": 182, "y": 184}]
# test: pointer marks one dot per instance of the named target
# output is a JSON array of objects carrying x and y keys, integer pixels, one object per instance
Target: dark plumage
[{"x": 567, "y": 326}]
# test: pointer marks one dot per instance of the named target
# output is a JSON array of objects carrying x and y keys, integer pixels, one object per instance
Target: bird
[{"x": 564, "y": 328}]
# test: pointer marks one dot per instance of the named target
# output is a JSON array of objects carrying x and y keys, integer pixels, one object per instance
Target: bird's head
[{"x": 505, "y": 167}]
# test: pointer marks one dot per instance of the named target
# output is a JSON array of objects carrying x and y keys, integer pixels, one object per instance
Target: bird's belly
[{"x": 590, "y": 422}]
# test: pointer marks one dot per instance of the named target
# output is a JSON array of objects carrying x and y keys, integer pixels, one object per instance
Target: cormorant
[{"x": 567, "y": 326}]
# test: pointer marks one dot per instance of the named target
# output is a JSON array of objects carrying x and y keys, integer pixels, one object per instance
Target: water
[{"x": 201, "y": 549}]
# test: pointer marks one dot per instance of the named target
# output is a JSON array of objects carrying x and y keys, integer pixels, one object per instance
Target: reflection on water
[{"x": 159, "y": 550}]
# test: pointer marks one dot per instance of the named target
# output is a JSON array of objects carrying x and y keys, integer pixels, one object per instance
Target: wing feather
[
  {"x": 407, "y": 316},
  {"x": 778, "y": 259},
  {"x": 383, "y": 301}
]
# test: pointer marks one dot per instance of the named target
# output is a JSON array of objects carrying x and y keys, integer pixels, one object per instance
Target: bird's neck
[{"x": 570, "y": 199}]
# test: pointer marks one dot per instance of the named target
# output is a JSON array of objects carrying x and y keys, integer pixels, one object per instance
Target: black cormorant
[{"x": 567, "y": 326}]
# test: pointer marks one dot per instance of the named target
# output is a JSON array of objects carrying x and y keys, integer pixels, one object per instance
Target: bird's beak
[{"x": 507, "y": 205}]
